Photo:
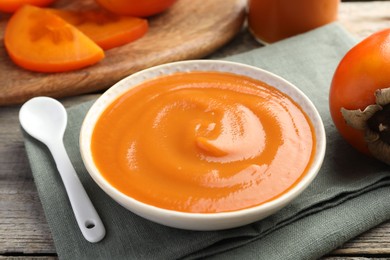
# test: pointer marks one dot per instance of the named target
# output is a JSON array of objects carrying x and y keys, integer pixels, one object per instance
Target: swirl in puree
[{"x": 203, "y": 142}]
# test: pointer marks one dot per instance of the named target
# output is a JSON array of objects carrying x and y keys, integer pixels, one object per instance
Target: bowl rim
[{"x": 190, "y": 65}]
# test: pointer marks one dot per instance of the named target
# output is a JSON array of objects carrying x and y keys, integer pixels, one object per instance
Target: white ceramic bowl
[{"x": 201, "y": 221}]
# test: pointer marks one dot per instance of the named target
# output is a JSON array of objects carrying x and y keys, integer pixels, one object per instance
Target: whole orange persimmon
[
  {"x": 10, "y": 6},
  {"x": 139, "y": 8},
  {"x": 359, "y": 97}
]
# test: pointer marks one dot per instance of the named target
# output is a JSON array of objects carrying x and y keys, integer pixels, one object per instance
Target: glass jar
[{"x": 273, "y": 20}]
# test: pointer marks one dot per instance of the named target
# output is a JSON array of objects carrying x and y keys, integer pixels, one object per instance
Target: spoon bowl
[{"x": 44, "y": 119}]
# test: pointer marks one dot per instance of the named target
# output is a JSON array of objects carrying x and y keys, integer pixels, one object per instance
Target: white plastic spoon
[{"x": 45, "y": 119}]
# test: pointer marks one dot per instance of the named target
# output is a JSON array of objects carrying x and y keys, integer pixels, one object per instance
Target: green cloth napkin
[{"x": 350, "y": 195}]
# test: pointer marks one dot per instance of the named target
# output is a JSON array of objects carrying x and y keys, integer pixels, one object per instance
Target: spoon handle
[{"x": 87, "y": 218}]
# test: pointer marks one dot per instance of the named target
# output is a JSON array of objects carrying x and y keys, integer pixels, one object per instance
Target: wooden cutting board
[{"x": 188, "y": 30}]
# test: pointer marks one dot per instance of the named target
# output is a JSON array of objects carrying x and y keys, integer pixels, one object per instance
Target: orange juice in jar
[{"x": 273, "y": 20}]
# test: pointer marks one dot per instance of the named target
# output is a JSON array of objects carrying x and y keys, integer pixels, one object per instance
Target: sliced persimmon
[
  {"x": 38, "y": 40},
  {"x": 106, "y": 29},
  {"x": 11, "y": 6}
]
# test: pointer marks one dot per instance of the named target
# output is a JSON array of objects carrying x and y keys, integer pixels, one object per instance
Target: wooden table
[{"x": 24, "y": 232}]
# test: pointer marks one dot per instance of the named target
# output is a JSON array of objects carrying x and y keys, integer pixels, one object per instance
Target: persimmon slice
[
  {"x": 106, "y": 29},
  {"x": 38, "y": 40}
]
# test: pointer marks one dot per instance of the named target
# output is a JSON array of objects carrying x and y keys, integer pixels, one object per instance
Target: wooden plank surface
[
  {"x": 365, "y": 18},
  {"x": 187, "y": 30},
  {"x": 24, "y": 232}
]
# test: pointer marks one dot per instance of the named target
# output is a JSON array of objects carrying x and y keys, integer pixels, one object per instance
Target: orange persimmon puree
[{"x": 203, "y": 142}]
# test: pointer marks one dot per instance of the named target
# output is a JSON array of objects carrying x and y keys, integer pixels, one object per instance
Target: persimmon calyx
[{"x": 374, "y": 120}]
